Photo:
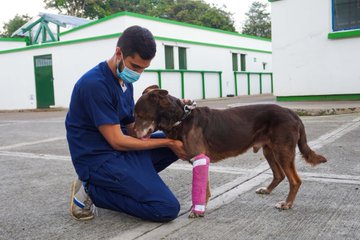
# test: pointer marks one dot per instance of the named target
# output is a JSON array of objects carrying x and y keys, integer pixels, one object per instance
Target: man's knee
[{"x": 165, "y": 211}]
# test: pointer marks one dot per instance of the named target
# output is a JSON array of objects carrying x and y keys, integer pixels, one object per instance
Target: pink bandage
[{"x": 199, "y": 183}]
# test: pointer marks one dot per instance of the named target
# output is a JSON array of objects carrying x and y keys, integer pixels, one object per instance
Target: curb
[{"x": 325, "y": 112}]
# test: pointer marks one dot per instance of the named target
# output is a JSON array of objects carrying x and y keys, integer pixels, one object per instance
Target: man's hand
[{"x": 178, "y": 148}]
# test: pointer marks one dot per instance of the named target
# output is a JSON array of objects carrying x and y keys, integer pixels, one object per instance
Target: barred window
[{"x": 346, "y": 14}]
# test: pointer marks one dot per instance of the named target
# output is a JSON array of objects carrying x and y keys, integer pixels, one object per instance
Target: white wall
[
  {"x": 5, "y": 44},
  {"x": 17, "y": 81},
  {"x": 305, "y": 61}
]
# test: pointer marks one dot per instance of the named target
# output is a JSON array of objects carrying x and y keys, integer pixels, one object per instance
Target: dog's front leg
[{"x": 200, "y": 186}]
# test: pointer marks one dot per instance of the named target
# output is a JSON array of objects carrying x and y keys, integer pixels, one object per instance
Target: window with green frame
[
  {"x": 243, "y": 62},
  {"x": 346, "y": 14},
  {"x": 182, "y": 58},
  {"x": 169, "y": 57},
  {"x": 235, "y": 62}
]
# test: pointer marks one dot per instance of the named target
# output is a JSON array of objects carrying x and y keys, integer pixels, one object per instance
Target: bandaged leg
[{"x": 199, "y": 183}]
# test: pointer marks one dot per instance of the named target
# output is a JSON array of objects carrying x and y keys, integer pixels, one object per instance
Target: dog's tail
[{"x": 309, "y": 155}]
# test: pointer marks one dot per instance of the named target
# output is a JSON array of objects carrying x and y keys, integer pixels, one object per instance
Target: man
[{"x": 117, "y": 171}]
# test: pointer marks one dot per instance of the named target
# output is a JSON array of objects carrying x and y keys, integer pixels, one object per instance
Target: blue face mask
[{"x": 127, "y": 75}]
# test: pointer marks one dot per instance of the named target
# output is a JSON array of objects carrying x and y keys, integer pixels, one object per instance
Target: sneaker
[{"x": 81, "y": 206}]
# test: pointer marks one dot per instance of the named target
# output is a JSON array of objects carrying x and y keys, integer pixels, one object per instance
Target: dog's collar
[{"x": 187, "y": 110}]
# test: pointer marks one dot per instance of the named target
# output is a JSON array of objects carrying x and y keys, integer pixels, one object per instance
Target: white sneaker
[{"x": 81, "y": 206}]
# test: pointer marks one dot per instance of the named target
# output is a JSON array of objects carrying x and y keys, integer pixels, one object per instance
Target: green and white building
[
  {"x": 191, "y": 61},
  {"x": 316, "y": 49}
]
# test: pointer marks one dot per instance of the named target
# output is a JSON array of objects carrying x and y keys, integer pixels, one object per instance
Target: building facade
[
  {"x": 191, "y": 62},
  {"x": 316, "y": 46}
]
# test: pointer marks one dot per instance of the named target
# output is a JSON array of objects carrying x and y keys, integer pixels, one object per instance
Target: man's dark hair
[{"x": 138, "y": 40}]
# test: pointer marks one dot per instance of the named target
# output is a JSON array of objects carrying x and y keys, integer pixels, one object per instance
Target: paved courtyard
[{"x": 36, "y": 173}]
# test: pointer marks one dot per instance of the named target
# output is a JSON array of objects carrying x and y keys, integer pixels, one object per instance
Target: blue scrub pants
[{"x": 130, "y": 183}]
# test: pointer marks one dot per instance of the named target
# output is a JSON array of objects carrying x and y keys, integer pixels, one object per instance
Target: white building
[
  {"x": 316, "y": 49},
  {"x": 191, "y": 62}
]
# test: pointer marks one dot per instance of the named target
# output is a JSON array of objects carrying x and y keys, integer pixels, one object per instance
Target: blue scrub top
[{"x": 97, "y": 99}]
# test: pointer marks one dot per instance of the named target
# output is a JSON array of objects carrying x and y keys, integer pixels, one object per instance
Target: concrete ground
[{"x": 36, "y": 174}]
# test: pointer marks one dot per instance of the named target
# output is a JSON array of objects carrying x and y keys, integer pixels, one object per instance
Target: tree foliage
[
  {"x": 14, "y": 24},
  {"x": 258, "y": 22},
  {"x": 189, "y": 11}
]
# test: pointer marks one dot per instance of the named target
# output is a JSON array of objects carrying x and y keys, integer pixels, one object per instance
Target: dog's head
[{"x": 156, "y": 110}]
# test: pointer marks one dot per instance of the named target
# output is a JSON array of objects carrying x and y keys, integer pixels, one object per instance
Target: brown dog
[{"x": 221, "y": 134}]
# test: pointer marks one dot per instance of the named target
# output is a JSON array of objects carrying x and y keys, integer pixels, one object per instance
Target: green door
[{"x": 44, "y": 81}]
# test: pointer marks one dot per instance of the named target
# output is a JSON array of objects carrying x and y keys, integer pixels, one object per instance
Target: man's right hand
[{"x": 178, "y": 148}]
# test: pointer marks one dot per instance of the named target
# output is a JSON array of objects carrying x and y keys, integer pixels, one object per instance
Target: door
[{"x": 44, "y": 81}]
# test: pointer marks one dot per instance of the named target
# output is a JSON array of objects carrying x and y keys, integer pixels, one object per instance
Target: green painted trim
[
  {"x": 54, "y": 44},
  {"x": 180, "y": 70},
  {"x": 273, "y": 1},
  {"x": 235, "y": 83},
  {"x": 260, "y": 80},
  {"x": 182, "y": 85},
  {"x": 130, "y": 14},
  {"x": 36, "y": 38},
  {"x": 203, "y": 84},
  {"x": 49, "y": 32},
  {"x": 58, "y": 32},
  {"x": 248, "y": 81},
  {"x": 344, "y": 34},
  {"x": 159, "y": 79},
  {"x": 32, "y": 25},
  {"x": 253, "y": 73},
  {"x": 12, "y": 39},
  {"x": 335, "y": 97},
  {"x": 220, "y": 83},
  {"x": 211, "y": 45}
]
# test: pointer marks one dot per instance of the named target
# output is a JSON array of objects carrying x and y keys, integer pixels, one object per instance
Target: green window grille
[
  {"x": 182, "y": 58},
  {"x": 235, "y": 62},
  {"x": 169, "y": 57}
]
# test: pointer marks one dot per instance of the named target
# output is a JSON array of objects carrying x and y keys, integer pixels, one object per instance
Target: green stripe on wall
[
  {"x": 344, "y": 34},
  {"x": 336, "y": 97},
  {"x": 116, "y": 35},
  {"x": 12, "y": 39}
]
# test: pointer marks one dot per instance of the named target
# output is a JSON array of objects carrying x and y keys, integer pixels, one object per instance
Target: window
[
  {"x": 235, "y": 62},
  {"x": 243, "y": 62},
  {"x": 346, "y": 14},
  {"x": 169, "y": 57},
  {"x": 182, "y": 58}
]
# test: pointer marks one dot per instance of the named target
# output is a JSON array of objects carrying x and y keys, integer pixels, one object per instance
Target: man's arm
[{"x": 114, "y": 136}]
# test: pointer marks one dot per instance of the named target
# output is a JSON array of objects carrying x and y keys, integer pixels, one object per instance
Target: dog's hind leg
[
  {"x": 287, "y": 161},
  {"x": 276, "y": 168}
]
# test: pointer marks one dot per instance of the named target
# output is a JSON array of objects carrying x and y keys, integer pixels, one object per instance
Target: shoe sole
[{"x": 74, "y": 188}]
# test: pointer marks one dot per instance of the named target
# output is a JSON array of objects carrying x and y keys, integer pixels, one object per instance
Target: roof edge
[
  {"x": 12, "y": 39},
  {"x": 131, "y": 14}
]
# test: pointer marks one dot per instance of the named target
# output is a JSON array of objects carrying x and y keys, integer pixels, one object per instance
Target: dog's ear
[
  {"x": 150, "y": 88},
  {"x": 158, "y": 92}
]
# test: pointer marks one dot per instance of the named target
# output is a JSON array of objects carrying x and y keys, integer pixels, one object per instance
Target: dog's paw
[
  {"x": 283, "y": 205},
  {"x": 196, "y": 215},
  {"x": 262, "y": 190}
]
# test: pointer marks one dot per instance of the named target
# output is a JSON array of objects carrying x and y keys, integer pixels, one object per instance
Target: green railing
[
  {"x": 261, "y": 74},
  {"x": 182, "y": 77}
]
